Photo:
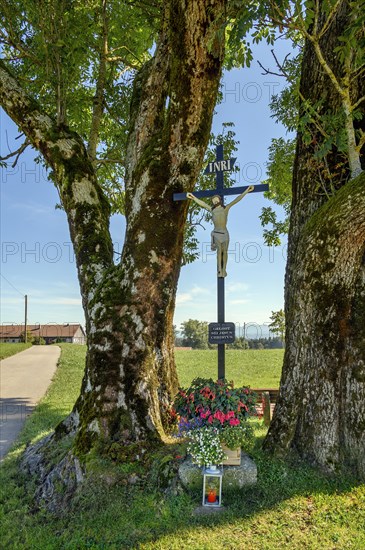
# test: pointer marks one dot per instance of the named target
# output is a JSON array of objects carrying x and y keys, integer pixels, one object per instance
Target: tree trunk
[
  {"x": 130, "y": 376},
  {"x": 321, "y": 406}
]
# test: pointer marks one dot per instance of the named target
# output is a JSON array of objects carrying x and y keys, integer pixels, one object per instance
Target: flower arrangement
[
  {"x": 211, "y": 414},
  {"x": 205, "y": 446}
]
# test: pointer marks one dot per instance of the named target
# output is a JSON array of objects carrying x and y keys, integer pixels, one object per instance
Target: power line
[{"x": 11, "y": 284}]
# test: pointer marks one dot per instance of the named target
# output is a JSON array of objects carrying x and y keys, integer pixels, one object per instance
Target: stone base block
[{"x": 234, "y": 477}]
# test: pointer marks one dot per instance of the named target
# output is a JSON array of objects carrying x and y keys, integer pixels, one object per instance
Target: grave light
[{"x": 212, "y": 486}]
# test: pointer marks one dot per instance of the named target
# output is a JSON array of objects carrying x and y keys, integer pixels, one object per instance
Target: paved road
[{"x": 24, "y": 379}]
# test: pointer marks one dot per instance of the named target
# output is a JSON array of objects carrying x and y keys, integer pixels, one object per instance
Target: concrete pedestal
[{"x": 234, "y": 477}]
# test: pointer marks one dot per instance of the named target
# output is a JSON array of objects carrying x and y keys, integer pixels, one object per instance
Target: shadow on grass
[
  {"x": 32, "y": 423},
  {"x": 112, "y": 512}
]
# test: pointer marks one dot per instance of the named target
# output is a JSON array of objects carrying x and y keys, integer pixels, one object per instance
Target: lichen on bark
[
  {"x": 320, "y": 412},
  {"x": 130, "y": 375}
]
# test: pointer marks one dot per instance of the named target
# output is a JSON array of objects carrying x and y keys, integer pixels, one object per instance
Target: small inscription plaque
[
  {"x": 220, "y": 166},
  {"x": 221, "y": 333}
]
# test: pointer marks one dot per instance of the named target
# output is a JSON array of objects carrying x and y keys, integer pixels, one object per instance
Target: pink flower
[
  {"x": 219, "y": 415},
  {"x": 234, "y": 422},
  {"x": 210, "y": 419}
]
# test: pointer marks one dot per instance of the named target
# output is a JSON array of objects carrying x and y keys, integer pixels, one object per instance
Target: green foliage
[
  {"x": 8, "y": 349},
  {"x": 235, "y": 437},
  {"x": 38, "y": 341},
  {"x": 30, "y": 336},
  {"x": 280, "y": 168},
  {"x": 215, "y": 403},
  {"x": 57, "y": 49},
  {"x": 324, "y": 130},
  {"x": 243, "y": 17},
  {"x": 311, "y": 21},
  {"x": 239, "y": 343},
  {"x": 284, "y": 109},
  {"x": 277, "y": 325},
  {"x": 195, "y": 334}
]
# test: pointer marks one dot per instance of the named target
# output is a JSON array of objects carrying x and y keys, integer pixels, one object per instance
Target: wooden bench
[{"x": 266, "y": 401}]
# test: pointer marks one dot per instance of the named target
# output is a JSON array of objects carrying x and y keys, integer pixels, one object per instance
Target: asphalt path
[{"x": 24, "y": 379}]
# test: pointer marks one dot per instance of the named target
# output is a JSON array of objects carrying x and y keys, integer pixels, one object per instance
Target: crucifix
[{"x": 220, "y": 333}]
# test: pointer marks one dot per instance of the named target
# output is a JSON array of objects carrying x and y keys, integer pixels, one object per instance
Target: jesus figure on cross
[{"x": 220, "y": 235}]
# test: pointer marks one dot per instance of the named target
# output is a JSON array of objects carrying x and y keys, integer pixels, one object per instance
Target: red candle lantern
[{"x": 212, "y": 486}]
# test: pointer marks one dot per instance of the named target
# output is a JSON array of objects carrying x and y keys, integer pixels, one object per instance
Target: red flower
[
  {"x": 234, "y": 422},
  {"x": 219, "y": 415}
]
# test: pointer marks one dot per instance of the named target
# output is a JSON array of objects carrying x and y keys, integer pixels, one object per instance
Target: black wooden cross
[
  {"x": 218, "y": 167},
  {"x": 221, "y": 332}
]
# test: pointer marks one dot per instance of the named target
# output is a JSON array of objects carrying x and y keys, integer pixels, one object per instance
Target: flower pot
[{"x": 233, "y": 457}]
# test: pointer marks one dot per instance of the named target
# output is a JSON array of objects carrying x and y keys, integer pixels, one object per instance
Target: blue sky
[{"x": 36, "y": 253}]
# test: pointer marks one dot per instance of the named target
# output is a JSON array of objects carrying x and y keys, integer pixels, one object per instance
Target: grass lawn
[
  {"x": 255, "y": 368},
  {"x": 7, "y": 350},
  {"x": 292, "y": 506}
]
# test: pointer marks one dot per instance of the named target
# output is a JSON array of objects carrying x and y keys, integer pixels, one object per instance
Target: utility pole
[{"x": 25, "y": 317}]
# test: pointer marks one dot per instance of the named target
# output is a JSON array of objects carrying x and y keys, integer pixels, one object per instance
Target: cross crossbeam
[
  {"x": 222, "y": 192},
  {"x": 218, "y": 168}
]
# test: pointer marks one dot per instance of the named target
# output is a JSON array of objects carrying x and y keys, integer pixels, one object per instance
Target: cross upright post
[
  {"x": 220, "y": 280},
  {"x": 220, "y": 332}
]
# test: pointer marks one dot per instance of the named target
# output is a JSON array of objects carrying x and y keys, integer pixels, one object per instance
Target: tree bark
[
  {"x": 321, "y": 406},
  {"x": 130, "y": 376}
]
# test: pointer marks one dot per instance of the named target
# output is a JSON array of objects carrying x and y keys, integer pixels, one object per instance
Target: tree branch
[
  {"x": 329, "y": 18},
  {"x": 326, "y": 67},
  {"x": 267, "y": 71},
  {"x": 358, "y": 102},
  {"x": 12, "y": 40},
  {"x": 361, "y": 142},
  {"x": 16, "y": 153},
  {"x": 109, "y": 161},
  {"x": 140, "y": 62},
  {"x": 74, "y": 176},
  {"x": 98, "y": 104},
  {"x": 316, "y": 17}
]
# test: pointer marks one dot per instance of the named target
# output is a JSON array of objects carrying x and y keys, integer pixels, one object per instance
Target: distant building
[{"x": 72, "y": 334}]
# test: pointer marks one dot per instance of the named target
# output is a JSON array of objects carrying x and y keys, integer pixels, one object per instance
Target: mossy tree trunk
[
  {"x": 130, "y": 374},
  {"x": 321, "y": 406}
]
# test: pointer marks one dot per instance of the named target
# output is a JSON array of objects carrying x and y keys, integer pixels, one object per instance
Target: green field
[
  {"x": 7, "y": 350},
  {"x": 292, "y": 506},
  {"x": 255, "y": 368}
]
